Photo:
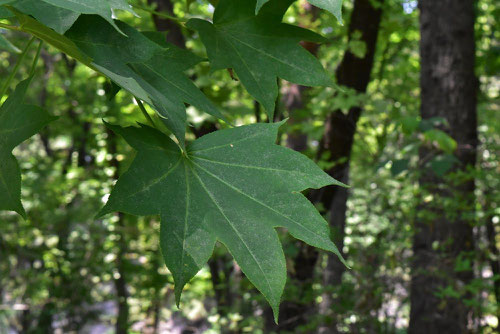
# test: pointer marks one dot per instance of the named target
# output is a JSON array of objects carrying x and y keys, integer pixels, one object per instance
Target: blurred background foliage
[{"x": 64, "y": 271}]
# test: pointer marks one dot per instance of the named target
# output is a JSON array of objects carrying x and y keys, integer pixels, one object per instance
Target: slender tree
[
  {"x": 340, "y": 128},
  {"x": 174, "y": 35},
  {"x": 353, "y": 72},
  {"x": 443, "y": 236}
]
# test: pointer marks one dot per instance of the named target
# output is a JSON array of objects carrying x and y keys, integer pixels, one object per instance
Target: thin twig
[{"x": 9, "y": 27}]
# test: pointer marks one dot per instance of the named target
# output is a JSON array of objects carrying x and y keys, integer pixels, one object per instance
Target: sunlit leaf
[{"x": 235, "y": 186}]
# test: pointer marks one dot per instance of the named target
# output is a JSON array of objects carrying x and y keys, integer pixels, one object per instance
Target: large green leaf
[
  {"x": 260, "y": 48},
  {"x": 235, "y": 186},
  {"x": 333, "y": 6},
  {"x": 18, "y": 122},
  {"x": 103, "y": 8},
  {"x": 153, "y": 72}
]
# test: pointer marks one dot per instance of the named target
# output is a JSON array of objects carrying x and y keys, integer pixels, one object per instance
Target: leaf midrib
[
  {"x": 232, "y": 226},
  {"x": 264, "y": 53},
  {"x": 257, "y": 201}
]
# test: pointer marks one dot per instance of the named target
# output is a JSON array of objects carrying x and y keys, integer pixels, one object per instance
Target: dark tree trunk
[
  {"x": 494, "y": 254},
  {"x": 448, "y": 90},
  {"x": 120, "y": 282},
  {"x": 174, "y": 34},
  {"x": 353, "y": 72},
  {"x": 340, "y": 128}
]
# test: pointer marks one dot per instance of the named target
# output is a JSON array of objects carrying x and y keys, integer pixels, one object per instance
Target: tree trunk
[
  {"x": 174, "y": 35},
  {"x": 353, "y": 72},
  {"x": 120, "y": 282},
  {"x": 443, "y": 234},
  {"x": 340, "y": 128},
  {"x": 494, "y": 254}
]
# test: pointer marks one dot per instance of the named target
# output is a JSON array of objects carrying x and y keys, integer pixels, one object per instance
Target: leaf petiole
[
  {"x": 37, "y": 56},
  {"x": 163, "y": 15},
  {"x": 9, "y": 27},
  {"x": 16, "y": 67},
  {"x": 145, "y": 112}
]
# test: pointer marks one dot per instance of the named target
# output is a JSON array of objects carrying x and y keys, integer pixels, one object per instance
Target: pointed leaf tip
[{"x": 18, "y": 122}]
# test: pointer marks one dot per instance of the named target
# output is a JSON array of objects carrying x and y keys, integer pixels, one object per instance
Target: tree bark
[
  {"x": 120, "y": 282},
  {"x": 442, "y": 235},
  {"x": 340, "y": 128},
  {"x": 174, "y": 35}
]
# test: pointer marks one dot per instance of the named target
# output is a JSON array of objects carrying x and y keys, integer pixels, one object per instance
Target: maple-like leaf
[
  {"x": 333, "y": 6},
  {"x": 260, "y": 48},
  {"x": 235, "y": 186},
  {"x": 18, "y": 122},
  {"x": 151, "y": 71}
]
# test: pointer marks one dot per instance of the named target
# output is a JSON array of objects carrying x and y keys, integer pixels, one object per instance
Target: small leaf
[
  {"x": 235, "y": 186},
  {"x": 409, "y": 124},
  {"x": 399, "y": 166},
  {"x": 441, "y": 164},
  {"x": 18, "y": 122},
  {"x": 260, "y": 48},
  {"x": 444, "y": 141}
]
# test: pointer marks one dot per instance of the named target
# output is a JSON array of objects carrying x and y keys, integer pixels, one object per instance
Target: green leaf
[
  {"x": 441, "y": 164},
  {"x": 150, "y": 71},
  {"x": 103, "y": 8},
  {"x": 399, "y": 166},
  {"x": 18, "y": 122},
  {"x": 333, "y": 6},
  {"x": 409, "y": 124},
  {"x": 57, "y": 18},
  {"x": 6, "y": 45},
  {"x": 260, "y": 48},
  {"x": 48, "y": 35},
  {"x": 5, "y": 13},
  {"x": 444, "y": 141},
  {"x": 235, "y": 186}
]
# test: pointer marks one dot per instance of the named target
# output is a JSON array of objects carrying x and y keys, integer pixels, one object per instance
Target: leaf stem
[
  {"x": 144, "y": 112},
  {"x": 163, "y": 15},
  {"x": 16, "y": 67},
  {"x": 37, "y": 56},
  {"x": 9, "y": 27}
]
